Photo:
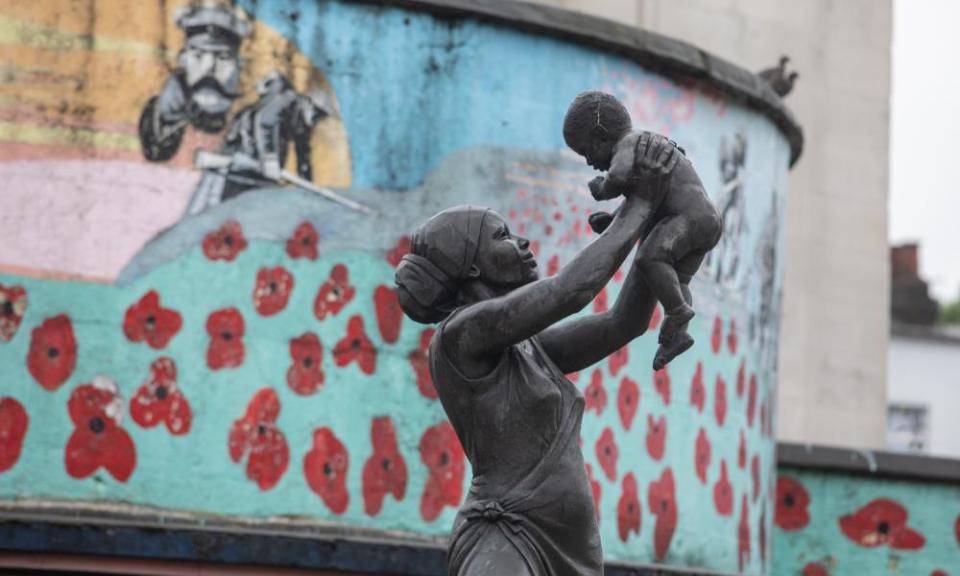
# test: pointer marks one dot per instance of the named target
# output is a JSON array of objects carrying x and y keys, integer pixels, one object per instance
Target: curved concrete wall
[{"x": 247, "y": 357}]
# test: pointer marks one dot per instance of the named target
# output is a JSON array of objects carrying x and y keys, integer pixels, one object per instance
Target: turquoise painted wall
[
  {"x": 437, "y": 113},
  {"x": 833, "y": 524}
]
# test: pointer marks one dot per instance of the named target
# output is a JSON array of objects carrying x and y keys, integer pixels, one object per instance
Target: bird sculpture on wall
[{"x": 778, "y": 79}]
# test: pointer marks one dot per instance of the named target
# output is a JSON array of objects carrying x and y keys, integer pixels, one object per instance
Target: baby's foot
[
  {"x": 676, "y": 321},
  {"x": 599, "y": 221},
  {"x": 670, "y": 348}
]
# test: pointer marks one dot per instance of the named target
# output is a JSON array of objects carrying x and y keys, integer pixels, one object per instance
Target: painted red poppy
[
  {"x": 755, "y": 476},
  {"x": 272, "y": 290},
  {"x": 741, "y": 378},
  {"x": 159, "y": 399},
  {"x": 225, "y": 242},
  {"x": 661, "y": 499},
  {"x": 600, "y": 302},
  {"x": 440, "y": 450},
  {"x": 661, "y": 383},
  {"x": 939, "y": 573},
  {"x": 13, "y": 305},
  {"x": 628, "y": 508},
  {"x": 420, "y": 360},
  {"x": 225, "y": 328},
  {"x": 792, "y": 501},
  {"x": 596, "y": 394},
  {"x": 752, "y": 400},
  {"x": 53, "y": 352},
  {"x": 148, "y": 321},
  {"x": 325, "y": 467},
  {"x": 732, "y": 337},
  {"x": 716, "y": 339},
  {"x": 334, "y": 294},
  {"x": 389, "y": 314},
  {"x": 97, "y": 439},
  {"x": 13, "y": 427},
  {"x": 305, "y": 374},
  {"x": 881, "y": 522},
  {"x": 303, "y": 243},
  {"x": 702, "y": 455},
  {"x": 385, "y": 471},
  {"x": 743, "y": 534},
  {"x": 573, "y": 376},
  {"x": 553, "y": 265},
  {"x": 698, "y": 392},
  {"x": 257, "y": 436},
  {"x": 956, "y": 529},
  {"x": 356, "y": 347},
  {"x": 720, "y": 400},
  {"x": 399, "y": 250},
  {"x": 594, "y": 488},
  {"x": 742, "y": 451},
  {"x": 655, "y": 319},
  {"x": 628, "y": 400},
  {"x": 723, "y": 492},
  {"x": 656, "y": 436},
  {"x": 618, "y": 360},
  {"x": 815, "y": 569},
  {"x": 607, "y": 454}
]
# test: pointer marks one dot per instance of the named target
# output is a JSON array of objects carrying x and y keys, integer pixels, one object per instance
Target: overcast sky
[{"x": 925, "y": 138}]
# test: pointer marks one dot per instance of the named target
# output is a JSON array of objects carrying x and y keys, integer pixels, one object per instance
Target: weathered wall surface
[
  {"x": 207, "y": 341},
  {"x": 836, "y": 301},
  {"x": 834, "y": 523}
]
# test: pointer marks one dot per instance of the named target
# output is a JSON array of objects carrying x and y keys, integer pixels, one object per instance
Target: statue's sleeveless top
[{"x": 520, "y": 428}]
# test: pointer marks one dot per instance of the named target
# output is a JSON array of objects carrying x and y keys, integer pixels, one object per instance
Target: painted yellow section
[
  {"x": 73, "y": 62},
  {"x": 32, "y": 134}
]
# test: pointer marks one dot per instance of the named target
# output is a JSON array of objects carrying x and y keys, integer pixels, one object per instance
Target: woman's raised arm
[
  {"x": 478, "y": 334},
  {"x": 576, "y": 344}
]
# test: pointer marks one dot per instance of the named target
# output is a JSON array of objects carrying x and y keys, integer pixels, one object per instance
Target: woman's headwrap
[{"x": 443, "y": 250}]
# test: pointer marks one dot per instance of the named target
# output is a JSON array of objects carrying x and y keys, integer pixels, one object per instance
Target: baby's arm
[{"x": 620, "y": 175}]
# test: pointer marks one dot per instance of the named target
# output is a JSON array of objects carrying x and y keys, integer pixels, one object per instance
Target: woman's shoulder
[{"x": 445, "y": 366}]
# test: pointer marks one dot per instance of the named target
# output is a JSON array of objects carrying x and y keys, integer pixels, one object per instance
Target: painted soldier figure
[
  {"x": 260, "y": 135},
  {"x": 204, "y": 85}
]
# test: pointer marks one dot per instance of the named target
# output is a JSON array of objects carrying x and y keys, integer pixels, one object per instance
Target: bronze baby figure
[{"x": 681, "y": 225}]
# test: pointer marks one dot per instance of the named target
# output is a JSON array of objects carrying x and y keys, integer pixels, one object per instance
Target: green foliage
[{"x": 950, "y": 313}]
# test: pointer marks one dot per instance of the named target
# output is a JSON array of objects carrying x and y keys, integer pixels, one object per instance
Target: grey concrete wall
[{"x": 836, "y": 298}]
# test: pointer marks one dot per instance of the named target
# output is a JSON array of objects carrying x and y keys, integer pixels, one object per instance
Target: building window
[{"x": 907, "y": 426}]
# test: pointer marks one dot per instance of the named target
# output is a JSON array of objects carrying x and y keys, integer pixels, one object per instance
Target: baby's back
[{"x": 685, "y": 194}]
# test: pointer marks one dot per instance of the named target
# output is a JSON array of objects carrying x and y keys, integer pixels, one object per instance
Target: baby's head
[{"x": 595, "y": 122}]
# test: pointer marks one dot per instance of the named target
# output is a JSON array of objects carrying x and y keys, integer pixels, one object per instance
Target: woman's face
[{"x": 504, "y": 259}]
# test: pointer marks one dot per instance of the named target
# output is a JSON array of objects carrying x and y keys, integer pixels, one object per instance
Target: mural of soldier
[
  {"x": 204, "y": 85},
  {"x": 765, "y": 270},
  {"x": 255, "y": 148},
  {"x": 724, "y": 262}
]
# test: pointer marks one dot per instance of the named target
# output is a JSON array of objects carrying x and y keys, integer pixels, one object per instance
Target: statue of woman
[{"x": 498, "y": 361}]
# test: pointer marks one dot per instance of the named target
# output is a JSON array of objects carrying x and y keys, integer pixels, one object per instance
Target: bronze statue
[
  {"x": 499, "y": 356},
  {"x": 683, "y": 224}
]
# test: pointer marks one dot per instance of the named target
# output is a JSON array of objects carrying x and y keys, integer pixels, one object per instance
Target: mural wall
[
  {"x": 830, "y": 523},
  {"x": 203, "y": 208}
]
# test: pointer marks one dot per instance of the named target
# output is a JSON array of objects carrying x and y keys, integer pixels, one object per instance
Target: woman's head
[{"x": 458, "y": 256}]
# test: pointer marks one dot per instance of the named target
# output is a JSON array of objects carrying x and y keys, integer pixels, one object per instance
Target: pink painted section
[{"x": 86, "y": 217}]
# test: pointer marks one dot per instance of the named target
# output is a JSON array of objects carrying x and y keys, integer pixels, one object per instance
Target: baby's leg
[
  {"x": 660, "y": 250},
  {"x": 665, "y": 248}
]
